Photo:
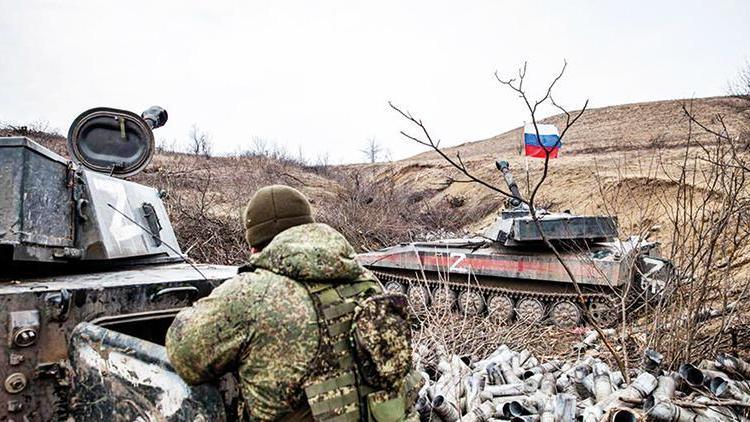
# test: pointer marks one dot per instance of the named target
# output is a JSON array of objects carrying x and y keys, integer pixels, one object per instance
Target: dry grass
[
  {"x": 696, "y": 199},
  {"x": 377, "y": 212},
  {"x": 206, "y": 196},
  {"x": 627, "y": 161}
]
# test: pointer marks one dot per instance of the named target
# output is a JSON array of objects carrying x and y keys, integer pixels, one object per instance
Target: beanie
[{"x": 272, "y": 210}]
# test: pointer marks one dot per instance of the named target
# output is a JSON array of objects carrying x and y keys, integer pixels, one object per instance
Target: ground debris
[{"x": 515, "y": 385}]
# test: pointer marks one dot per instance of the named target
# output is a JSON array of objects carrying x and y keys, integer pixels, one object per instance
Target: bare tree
[
  {"x": 199, "y": 142},
  {"x": 273, "y": 150},
  {"x": 321, "y": 165},
  {"x": 373, "y": 150},
  {"x": 740, "y": 85},
  {"x": 163, "y": 145},
  {"x": 259, "y": 148},
  {"x": 532, "y": 106},
  {"x": 709, "y": 217}
]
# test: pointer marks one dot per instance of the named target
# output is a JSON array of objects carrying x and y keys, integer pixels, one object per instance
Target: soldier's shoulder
[
  {"x": 276, "y": 300},
  {"x": 247, "y": 285},
  {"x": 264, "y": 284}
]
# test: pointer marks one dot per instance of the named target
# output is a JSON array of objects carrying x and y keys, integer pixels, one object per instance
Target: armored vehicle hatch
[
  {"x": 114, "y": 142},
  {"x": 92, "y": 276},
  {"x": 57, "y": 211}
]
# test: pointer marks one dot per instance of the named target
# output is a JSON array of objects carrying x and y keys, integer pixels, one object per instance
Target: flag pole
[{"x": 525, "y": 159}]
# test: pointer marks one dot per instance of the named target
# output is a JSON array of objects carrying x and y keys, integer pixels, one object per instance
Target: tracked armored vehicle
[
  {"x": 509, "y": 272},
  {"x": 91, "y": 276}
]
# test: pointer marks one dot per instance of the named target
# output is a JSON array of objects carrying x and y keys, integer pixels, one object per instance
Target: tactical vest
[{"x": 334, "y": 387}]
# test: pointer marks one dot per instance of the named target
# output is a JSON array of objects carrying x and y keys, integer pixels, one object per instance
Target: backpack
[{"x": 382, "y": 340}]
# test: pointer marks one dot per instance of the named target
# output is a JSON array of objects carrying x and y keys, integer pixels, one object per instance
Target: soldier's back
[{"x": 261, "y": 324}]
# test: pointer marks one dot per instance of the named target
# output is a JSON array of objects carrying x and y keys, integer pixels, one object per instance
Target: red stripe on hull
[{"x": 508, "y": 266}]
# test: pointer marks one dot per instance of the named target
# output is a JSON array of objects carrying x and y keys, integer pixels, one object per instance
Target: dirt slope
[
  {"x": 607, "y": 147},
  {"x": 607, "y": 130},
  {"x": 620, "y": 160}
]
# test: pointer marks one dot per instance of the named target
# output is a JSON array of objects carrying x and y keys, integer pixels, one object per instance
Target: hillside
[
  {"x": 639, "y": 162},
  {"x": 617, "y": 159},
  {"x": 620, "y": 128},
  {"x": 607, "y": 149}
]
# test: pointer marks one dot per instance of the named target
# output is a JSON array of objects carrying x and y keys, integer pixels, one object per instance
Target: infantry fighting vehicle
[
  {"x": 510, "y": 272},
  {"x": 91, "y": 276}
]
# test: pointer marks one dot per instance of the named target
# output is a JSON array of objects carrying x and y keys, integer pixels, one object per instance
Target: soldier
[{"x": 307, "y": 329}]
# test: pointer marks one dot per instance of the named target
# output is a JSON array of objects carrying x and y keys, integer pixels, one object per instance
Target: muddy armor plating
[{"x": 91, "y": 278}]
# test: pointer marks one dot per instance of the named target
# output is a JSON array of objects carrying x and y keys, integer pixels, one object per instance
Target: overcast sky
[{"x": 317, "y": 75}]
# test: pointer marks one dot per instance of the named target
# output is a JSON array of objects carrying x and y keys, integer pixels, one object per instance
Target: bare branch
[{"x": 460, "y": 165}]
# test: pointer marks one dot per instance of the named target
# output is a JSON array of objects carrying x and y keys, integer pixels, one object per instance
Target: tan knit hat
[{"x": 272, "y": 210}]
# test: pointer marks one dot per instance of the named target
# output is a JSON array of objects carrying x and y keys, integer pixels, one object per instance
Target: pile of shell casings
[{"x": 510, "y": 385}]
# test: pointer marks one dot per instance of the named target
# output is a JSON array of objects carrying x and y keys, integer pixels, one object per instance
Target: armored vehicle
[
  {"x": 91, "y": 276},
  {"x": 511, "y": 272}
]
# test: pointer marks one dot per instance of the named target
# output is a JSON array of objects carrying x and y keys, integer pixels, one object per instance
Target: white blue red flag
[{"x": 548, "y": 141}]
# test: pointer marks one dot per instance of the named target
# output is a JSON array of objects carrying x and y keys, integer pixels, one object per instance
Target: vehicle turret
[
  {"x": 516, "y": 227},
  {"x": 91, "y": 278},
  {"x": 81, "y": 211}
]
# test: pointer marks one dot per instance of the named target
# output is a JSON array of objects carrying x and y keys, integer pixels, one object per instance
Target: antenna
[{"x": 153, "y": 236}]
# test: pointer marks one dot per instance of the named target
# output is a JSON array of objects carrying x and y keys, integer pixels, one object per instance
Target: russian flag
[{"x": 535, "y": 147}]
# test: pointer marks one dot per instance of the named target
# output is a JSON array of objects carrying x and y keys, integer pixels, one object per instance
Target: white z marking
[{"x": 454, "y": 267}]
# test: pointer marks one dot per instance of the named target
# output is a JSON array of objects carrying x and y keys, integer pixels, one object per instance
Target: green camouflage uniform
[{"x": 263, "y": 324}]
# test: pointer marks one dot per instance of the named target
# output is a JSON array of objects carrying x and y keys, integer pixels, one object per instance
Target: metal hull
[
  {"x": 604, "y": 264},
  {"x": 91, "y": 277},
  {"x": 38, "y": 316},
  {"x": 478, "y": 277}
]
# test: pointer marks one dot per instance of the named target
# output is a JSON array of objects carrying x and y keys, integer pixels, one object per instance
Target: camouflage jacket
[{"x": 262, "y": 324}]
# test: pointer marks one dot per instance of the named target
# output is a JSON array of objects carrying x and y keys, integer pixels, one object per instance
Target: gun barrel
[{"x": 504, "y": 167}]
